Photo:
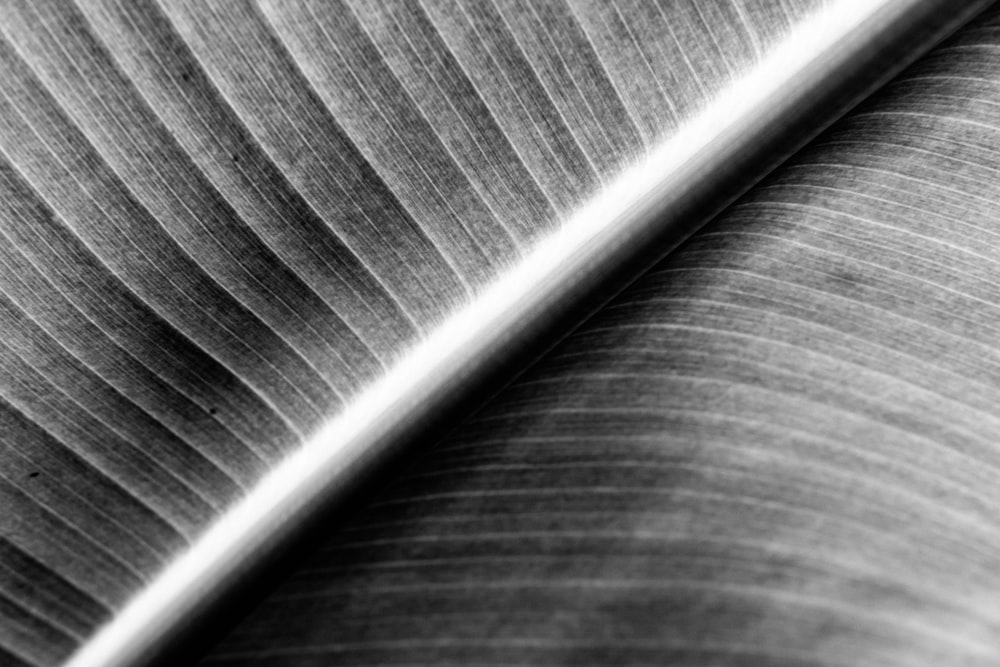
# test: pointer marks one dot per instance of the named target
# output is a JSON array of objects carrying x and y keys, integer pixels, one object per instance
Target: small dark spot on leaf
[
  {"x": 846, "y": 281},
  {"x": 236, "y": 158},
  {"x": 185, "y": 77},
  {"x": 213, "y": 411},
  {"x": 32, "y": 475}
]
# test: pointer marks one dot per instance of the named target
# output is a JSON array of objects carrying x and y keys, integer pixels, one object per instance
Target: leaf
[
  {"x": 251, "y": 252},
  {"x": 779, "y": 447}
]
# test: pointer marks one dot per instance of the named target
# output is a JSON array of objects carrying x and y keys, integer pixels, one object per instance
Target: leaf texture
[
  {"x": 223, "y": 223},
  {"x": 777, "y": 448}
]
